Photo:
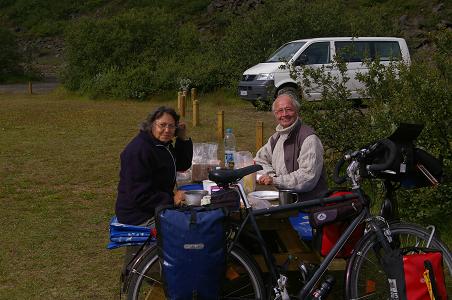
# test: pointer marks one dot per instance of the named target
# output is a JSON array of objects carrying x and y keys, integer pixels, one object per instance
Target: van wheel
[{"x": 289, "y": 89}]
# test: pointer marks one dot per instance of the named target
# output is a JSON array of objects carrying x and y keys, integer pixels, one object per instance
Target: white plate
[
  {"x": 265, "y": 195},
  {"x": 243, "y": 93}
]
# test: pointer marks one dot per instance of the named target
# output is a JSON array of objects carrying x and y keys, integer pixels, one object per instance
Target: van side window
[
  {"x": 353, "y": 51},
  {"x": 358, "y": 51},
  {"x": 387, "y": 51},
  {"x": 317, "y": 53}
]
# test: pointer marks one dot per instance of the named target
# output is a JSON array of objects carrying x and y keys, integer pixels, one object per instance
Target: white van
[{"x": 265, "y": 80}]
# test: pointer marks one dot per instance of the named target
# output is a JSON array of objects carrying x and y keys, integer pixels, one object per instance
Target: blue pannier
[{"x": 192, "y": 249}]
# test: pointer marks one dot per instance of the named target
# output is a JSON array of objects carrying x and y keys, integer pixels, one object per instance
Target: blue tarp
[
  {"x": 128, "y": 235},
  {"x": 301, "y": 224}
]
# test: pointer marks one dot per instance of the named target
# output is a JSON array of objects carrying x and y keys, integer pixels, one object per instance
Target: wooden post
[
  {"x": 195, "y": 118},
  {"x": 220, "y": 126},
  {"x": 259, "y": 135},
  {"x": 179, "y": 101},
  {"x": 30, "y": 87},
  {"x": 185, "y": 94},
  {"x": 194, "y": 94},
  {"x": 182, "y": 106}
]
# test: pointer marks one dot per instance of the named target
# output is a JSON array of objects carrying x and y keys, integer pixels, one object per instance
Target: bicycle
[{"x": 244, "y": 279}]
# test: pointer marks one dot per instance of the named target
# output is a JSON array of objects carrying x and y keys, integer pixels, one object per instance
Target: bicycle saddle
[{"x": 226, "y": 176}]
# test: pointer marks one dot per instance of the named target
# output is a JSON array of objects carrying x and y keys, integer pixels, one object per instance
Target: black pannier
[
  {"x": 412, "y": 167},
  {"x": 225, "y": 198},
  {"x": 331, "y": 220}
]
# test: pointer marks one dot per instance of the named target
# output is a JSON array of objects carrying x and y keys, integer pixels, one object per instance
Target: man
[{"x": 293, "y": 156}]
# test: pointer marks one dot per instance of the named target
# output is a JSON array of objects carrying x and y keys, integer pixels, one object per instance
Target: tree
[{"x": 10, "y": 58}]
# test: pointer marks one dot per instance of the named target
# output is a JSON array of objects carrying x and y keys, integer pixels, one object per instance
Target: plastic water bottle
[{"x": 229, "y": 149}]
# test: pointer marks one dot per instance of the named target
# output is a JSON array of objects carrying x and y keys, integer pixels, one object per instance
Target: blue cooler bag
[{"x": 192, "y": 249}]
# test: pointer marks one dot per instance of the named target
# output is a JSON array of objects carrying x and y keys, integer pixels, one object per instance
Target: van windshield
[{"x": 286, "y": 52}]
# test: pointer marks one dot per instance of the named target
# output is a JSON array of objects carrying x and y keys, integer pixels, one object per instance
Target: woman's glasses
[{"x": 162, "y": 126}]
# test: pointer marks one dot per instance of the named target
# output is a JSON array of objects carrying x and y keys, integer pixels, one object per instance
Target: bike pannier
[
  {"x": 192, "y": 249},
  {"x": 225, "y": 198},
  {"x": 415, "y": 274},
  {"x": 412, "y": 167},
  {"x": 330, "y": 221}
]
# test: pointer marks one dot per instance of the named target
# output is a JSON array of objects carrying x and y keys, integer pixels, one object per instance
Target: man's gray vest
[{"x": 292, "y": 146}]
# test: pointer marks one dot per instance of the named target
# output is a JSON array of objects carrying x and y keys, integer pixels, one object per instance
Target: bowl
[
  {"x": 194, "y": 197},
  {"x": 265, "y": 195},
  {"x": 262, "y": 199}
]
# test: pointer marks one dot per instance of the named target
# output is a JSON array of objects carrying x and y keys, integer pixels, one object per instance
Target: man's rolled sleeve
[{"x": 264, "y": 159}]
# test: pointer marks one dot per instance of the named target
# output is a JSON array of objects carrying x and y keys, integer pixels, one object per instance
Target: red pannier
[
  {"x": 415, "y": 274},
  {"x": 331, "y": 220}
]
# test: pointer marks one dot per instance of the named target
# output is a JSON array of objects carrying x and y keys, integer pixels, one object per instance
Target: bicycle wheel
[
  {"x": 365, "y": 278},
  {"x": 242, "y": 280}
]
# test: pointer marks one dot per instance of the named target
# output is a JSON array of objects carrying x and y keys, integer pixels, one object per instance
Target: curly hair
[{"x": 146, "y": 125}]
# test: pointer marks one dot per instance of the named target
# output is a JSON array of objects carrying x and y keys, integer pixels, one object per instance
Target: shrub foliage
[
  {"x": 420, "y": 93},
  {"x": 141, "y": 52},
  {"x": 10, "y": 58}
]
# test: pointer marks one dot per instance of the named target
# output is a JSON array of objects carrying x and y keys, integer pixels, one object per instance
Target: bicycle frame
[{"x": 269, "y": 259}]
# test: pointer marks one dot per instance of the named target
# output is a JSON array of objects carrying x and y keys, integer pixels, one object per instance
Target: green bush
[
  {"x": 45, "y": 17},
  {"x": 169, "y": 47},
  {"x": 420, "y": 93},
  {"x": 10, "y": 57},
  {"x": 129, "y": 54},
  {"x": 251, "y": 40}
]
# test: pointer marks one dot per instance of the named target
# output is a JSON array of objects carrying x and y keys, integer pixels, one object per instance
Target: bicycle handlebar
[
  {"x": 363, "y": 153},
  {"x": 336, "y": 178},
  {"x": 392, "y": 154}
]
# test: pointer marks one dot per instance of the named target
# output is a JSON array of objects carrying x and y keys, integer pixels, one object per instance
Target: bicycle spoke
[
  {"x": 239, "y": 290},
  {"x": 242, "y": 283},
  {"x": 147, "y": 277},
  {"x": 368, "y": 280},
  {"x": 365, "y": 296},
  {"x": 372, "y": 262}
]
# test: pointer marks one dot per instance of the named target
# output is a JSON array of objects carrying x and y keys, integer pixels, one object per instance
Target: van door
[
  {"x": 354, "y": 53},
  {"x": 314, "y": 56}
]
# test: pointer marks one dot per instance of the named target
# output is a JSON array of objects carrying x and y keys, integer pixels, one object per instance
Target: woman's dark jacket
[{"x": 148, "y": 175}]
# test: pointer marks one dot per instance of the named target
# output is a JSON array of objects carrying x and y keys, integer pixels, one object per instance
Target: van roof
[{"x": 349, "y": 38}]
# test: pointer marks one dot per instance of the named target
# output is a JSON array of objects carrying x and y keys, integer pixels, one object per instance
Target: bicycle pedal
[{"x": 306, "y": 271}]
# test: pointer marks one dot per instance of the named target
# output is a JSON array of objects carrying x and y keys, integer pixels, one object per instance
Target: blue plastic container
[{"x": 190, "y": 187}]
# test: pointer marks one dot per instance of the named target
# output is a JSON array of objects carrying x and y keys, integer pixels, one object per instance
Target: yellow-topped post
[
  {"x": 259, "y": 135},
  {"x": 194, "y": 94},
  {"x": 195, "y": 118},
  {"x": 220, "y": 125},
  {"x": 182, "y": 106}
]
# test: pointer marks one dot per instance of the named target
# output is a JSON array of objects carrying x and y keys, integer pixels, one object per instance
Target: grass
[{"x": 59, "y": 163}]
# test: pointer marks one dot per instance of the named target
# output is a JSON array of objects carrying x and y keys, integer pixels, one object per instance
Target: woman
[{"x": 148, "y": 167}]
